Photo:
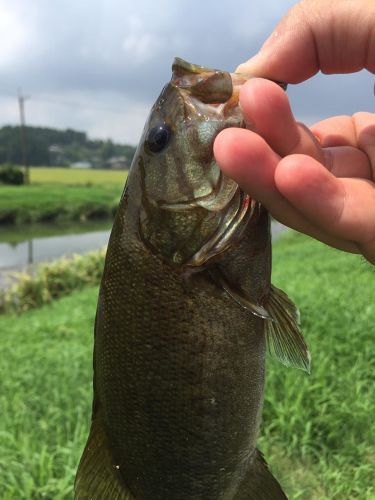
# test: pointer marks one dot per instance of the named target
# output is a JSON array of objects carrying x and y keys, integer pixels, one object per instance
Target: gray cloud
[{"x": 117, "y": 54}]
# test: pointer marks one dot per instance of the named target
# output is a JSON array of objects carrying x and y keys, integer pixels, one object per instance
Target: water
[{"x": 22, "y": 247}]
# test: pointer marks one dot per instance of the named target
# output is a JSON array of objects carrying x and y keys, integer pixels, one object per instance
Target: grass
[
  {"x": 45, "y": 397},
  {"x": 24, "y": 204},
  {"x": 316, "y": 432},
  {"x": 51, "y": 280},
  {"x": 62, "y": 194},
  {"x": 317, "y": 429},
  {"x": 71, "y": 176}
]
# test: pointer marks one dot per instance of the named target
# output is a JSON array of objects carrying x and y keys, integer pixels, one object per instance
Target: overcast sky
[{"x": 98, "y": 65}]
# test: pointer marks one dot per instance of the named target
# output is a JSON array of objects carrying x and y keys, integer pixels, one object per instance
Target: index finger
[{"x": 267, "y": 112}]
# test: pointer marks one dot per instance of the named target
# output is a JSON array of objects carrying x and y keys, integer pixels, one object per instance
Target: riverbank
[
  {"x": 29, "y": 204},
  {"x": 57, "y": 195},
  {"x": 44, "y": 283},
  {"x": 316, "y": 431}
]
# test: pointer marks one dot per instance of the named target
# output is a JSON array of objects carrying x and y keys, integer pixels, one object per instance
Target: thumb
[{"x": 334, "y": 37}]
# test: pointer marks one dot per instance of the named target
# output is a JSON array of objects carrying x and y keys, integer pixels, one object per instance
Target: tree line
[{"x": 53, "y": 147}]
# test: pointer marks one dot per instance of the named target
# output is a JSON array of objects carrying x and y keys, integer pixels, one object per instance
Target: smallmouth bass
[{"x": 185, "y": 310}]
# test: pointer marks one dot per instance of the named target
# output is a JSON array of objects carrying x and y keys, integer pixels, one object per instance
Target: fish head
[
  {"x": 189, "y": 211},
  {"x": 178, "y": 141}
]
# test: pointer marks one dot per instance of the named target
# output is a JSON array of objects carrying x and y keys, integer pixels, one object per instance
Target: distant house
[
  {"x": 56, "y": 155},
  {"x": 81, "y": 164},
  {"x": 118, "y": 163}
]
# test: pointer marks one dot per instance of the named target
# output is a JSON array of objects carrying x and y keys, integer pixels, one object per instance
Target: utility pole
[{"x": 21, "y": 104}]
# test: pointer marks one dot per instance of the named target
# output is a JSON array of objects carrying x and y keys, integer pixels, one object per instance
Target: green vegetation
[
  {"x": 61, "y": 194},
  {"x": 45, "y": 392},
  {"x": 86, "y": 177},
  {"x": 317, "y": 430},
  {"x": 22, "y": 204},
  {"x": 48, "y": 146},
  {"x": 52, "y": 280},
  {"x": 10, "y": 174}
]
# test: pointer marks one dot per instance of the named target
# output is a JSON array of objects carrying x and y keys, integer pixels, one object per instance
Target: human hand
[{"x": 320, "y": 181}]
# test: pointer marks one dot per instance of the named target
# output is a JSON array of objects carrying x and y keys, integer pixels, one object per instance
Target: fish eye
[{"x": 158, "y": 137}]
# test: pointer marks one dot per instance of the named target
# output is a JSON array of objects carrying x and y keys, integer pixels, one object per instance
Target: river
[
  {"x": 22, "y": 247},
  {"x": 21, "y": 252}
]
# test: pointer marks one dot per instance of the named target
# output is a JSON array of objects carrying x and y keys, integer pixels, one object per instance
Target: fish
[{"x": 185, "y": 312}]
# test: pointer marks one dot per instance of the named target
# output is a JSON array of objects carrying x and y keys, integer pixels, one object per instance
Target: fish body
[{"x": 185, "y": 309}]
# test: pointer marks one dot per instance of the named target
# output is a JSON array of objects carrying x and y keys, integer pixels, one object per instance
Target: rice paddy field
[
  {"x": 74, "y": 176},
  {"x": 62, "y": 194},
  {"x": 317, "y": 432}
]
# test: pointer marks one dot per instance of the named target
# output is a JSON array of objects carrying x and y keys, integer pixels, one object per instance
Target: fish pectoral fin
[
  {"x": 237, "y": 295},
  {"x": 98, "y": 477},
  {"x": 259, "y": 483},
  {"x": 284, "y": 338}
]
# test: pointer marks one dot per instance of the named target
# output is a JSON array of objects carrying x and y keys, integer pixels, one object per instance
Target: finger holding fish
[
  {"x": 267, "y": 112},
  {"x": 247, "y": 158},
  {"x": 308, "y": 179}
]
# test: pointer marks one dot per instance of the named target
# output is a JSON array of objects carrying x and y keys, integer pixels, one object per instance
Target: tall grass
[
  {"x": 45, "y": 392},
  {"x": 52, "y": 280},
  {"x": 317, "y": 430}
]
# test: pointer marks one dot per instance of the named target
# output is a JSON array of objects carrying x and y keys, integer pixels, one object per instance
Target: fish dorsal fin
[{"x": 284, "y": 338}]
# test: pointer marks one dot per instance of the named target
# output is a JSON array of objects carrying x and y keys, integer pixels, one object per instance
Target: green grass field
[
  {"x": 36, "y": 203},
  {"x": 317, "y": 432},
  {"x": 74, "y": 176},
  {"x": 62, "y": 194}
]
